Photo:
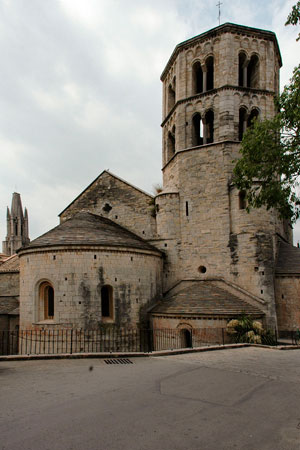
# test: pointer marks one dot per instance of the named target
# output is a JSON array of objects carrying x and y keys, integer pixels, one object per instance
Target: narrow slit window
[{"x": 186, "y": 208}]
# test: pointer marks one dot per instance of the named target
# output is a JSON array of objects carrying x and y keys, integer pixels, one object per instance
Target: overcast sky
[{"x": 80, "y": 89}]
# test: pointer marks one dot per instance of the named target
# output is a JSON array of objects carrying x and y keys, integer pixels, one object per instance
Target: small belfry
[{"x": 17, "y": 227}]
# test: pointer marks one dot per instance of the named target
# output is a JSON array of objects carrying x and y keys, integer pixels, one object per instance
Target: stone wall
[
  {"x": 287, "y": 291},
  {"x": 111, "y": 197},
  {"x": 77, "y": 276}
]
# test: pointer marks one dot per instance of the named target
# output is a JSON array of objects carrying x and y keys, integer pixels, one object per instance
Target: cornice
[
  {"x": 222, "y": 29},
  {"x": 226, "y": 87}
]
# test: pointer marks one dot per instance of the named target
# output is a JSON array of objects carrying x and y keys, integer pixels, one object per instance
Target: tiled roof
[
  {"x": 203, "y": 298},
  {"x": 11, "y": 264},
  {"x": 90, "y": 229},
  {"x": 288, "y": 260},
  {"x": 9, "y": 305}
]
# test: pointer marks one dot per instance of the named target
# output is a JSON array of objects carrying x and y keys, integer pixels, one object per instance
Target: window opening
[
  {"x": 242, "y": 122},
  {"x": 242, "y": 200},
  {"x": 171, "y": 98},
  {"x": 209, "y": 127},
  {"x": 210, "y": 73},
  {"x": 107, "y": 301},
  {"x": 253, "y": 72},
  {"x": 242, "y": 70},
  {"x": 197, "y": 132},
  {"x": 186, "y": 208},
  {"x": 197, "y": 78},
  {"x": 46, "y": 296},
  {"x": 253, "y": 116},
  {"x": 171, "y": 142}
]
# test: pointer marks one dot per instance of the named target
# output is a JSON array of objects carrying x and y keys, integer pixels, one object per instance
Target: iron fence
[{"x": 121, "y": 339}]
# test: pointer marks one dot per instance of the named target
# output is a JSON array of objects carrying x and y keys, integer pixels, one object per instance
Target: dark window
[
  {"x": 197, "y": 78},
  {"x": 242, "y": 200},
  {"x": 242, "y": 122},
  {"x": 171, "y": 98},
  {"x": 242, "y": 70},
  {"x": 186, "y": 208},
  {"x": 253, "y": 72},
  {"x": 210, "y": 73},
  {"x": 253, "y": 116},
  {"x": 171, "y": 142},
  {"x": 107, "y": 302},
  {"x": 46, "y": 293}
]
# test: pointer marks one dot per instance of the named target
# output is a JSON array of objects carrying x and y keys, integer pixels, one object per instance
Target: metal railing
[{"x": 121, "y": 339}]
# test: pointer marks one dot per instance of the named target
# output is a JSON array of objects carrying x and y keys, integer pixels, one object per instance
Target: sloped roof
[
  {"x": 288, "y": 260},
  {"x": 203, "y": 298},
  {"x": 85, "y": 228},
  {"x": 11, "y": 264},
  {"x": 9, "y": 305}
]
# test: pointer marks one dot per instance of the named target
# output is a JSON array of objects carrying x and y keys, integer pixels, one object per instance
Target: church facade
[{"x": 190, "y": 256}]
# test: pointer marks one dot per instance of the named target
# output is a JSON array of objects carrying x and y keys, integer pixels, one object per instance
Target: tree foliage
[{"x": 270, "y": 154}]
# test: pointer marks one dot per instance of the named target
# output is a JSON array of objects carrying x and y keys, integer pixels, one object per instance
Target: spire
[{"x": 17, "y": 226}]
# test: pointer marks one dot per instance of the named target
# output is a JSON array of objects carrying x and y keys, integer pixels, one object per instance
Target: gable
[{"x": 111, "y": 197}]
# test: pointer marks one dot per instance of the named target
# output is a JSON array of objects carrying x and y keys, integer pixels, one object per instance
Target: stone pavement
[{"x": 244, "y": 399}]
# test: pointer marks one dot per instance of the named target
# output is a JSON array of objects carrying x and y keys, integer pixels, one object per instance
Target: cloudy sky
[{"x": 80, "y": 89}]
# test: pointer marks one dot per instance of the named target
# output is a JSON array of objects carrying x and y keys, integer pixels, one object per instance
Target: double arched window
[
  {"x": 248, "y": 71},
  {"x": 246, "y": 120},
  {"x": 203, "y": 76},
  {"x": 203, "y": 128}
]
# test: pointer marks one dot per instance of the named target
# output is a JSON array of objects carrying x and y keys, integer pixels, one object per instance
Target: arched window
[
  {"x": 171, "y": 142},
  {"x": 242, "y": 69},
  {"x": 209, "y": 127},
  {"x": 253, "y": 72},
  {"x": 197, "y": 130},
  {"x": 242, "y": 122},
  {"x": 210, "y": 73},
  {"x": 171, "y": 97},
  {"x": 197, "y": 82},
  {"x": 46, "y": 299},
  {"x": 253, "y": 116},
  {"x": 107, "y": 302}
]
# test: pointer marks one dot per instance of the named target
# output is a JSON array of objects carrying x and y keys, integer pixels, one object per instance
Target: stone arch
[
  {"x": 45, "y": 304},
  {"x": 171, "y": 142},
  {"x": 186, "y": 335},
  {"x": 197, "y": 78}
]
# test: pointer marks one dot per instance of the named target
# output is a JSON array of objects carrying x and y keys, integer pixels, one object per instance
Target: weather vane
[{"x": 219, "y": 6}]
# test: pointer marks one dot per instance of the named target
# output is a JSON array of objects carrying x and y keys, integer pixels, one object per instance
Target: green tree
[{"x": 269, "y": 167}]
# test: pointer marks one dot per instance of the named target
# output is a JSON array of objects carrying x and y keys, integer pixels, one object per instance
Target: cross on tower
[{"x": 219, "y": 6}]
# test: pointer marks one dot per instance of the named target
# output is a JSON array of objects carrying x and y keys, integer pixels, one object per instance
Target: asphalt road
[{"x": 246, "y": 398}]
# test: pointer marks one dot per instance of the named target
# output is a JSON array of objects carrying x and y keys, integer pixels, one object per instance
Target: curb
[{"x": 108, "y": 355}]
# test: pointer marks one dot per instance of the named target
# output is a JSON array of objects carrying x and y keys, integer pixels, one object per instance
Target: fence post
[{"x": 71, "y": 348}]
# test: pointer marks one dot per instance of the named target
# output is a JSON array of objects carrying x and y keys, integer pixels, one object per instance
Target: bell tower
[
  {"x": 214, "y": 85},
  {"x": 17, "y": 226}
]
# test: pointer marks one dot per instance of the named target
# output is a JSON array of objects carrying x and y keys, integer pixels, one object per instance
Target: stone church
[{"x": 190, "y": 256}]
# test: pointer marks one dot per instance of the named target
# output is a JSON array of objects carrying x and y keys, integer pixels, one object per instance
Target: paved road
[{"x": 246, "y": 398}]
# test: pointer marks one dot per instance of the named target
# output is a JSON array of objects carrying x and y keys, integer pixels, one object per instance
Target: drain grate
[{"x": 118, "y": 361}]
